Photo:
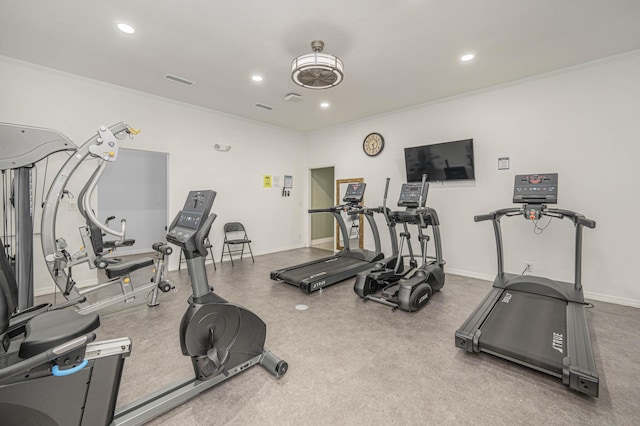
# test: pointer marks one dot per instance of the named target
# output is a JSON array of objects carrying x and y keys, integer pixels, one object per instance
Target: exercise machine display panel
[
  {"x": 354, "y": 193},
  {"x": 413, "y": 194},
  {"x": 536, "y": 189},
  {"x": 196, "y": 208}
]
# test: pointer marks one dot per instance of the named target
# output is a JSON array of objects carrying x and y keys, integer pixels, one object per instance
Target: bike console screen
[{"x": 189, "y": 220}]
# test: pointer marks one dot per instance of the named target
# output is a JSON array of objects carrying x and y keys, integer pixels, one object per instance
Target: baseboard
[
  {"x": 279, "y": 249},
  {"x": 246, "y": 254},
  {"x": 52, "y": 289},
  {"x": 172, "y": 268},
  {"x": 322, "y": 241},
  {"x": 612, "y": 299},
  {"x": 469, "y": 274}
]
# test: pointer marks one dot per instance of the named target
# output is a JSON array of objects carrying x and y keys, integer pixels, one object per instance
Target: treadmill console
[
  {"x": 410, "y": 194},
  {"x": 355, "y": 193},
  {"x": 536, "y": 189},
  {"x": 189, "y": 220}
]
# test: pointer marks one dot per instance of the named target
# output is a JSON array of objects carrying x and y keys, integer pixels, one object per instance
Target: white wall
[
  {"x": 76, "y": 107},
  {"x": 582, "y": 123}
]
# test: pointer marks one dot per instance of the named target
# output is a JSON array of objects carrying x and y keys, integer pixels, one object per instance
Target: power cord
[{"x": 539, "y": 230}]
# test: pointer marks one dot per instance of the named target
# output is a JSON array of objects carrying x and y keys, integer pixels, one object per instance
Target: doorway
[{"x": 322, "y": 197}]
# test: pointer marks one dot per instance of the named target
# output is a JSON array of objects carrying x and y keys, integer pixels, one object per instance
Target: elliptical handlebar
[{"x": 422, "y": 202}]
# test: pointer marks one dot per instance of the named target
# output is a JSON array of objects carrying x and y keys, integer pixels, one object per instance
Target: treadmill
[
  {"x": 535, "y": 321},
  {"x": 315, "y": 275}
]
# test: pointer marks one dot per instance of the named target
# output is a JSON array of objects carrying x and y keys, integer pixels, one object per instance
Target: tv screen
[{"x": 441, "y": 161}]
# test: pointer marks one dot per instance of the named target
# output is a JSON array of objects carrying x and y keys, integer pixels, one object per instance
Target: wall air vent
[
  {"x": 263, "y": 106},
  {"x": 179, "y": 80}
]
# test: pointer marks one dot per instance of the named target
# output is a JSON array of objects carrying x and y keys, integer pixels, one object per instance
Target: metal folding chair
[{"x": 235, "y": 235}]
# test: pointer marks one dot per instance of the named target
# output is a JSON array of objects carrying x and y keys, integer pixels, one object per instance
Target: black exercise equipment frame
[
  {"x": 406, "y": 289},
  {"x": 318, "y": 274},
  {"x": 578, "y": 365}
]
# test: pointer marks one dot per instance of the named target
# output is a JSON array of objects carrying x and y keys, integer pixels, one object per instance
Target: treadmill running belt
[
  {"x": 527, "y": 327},
  {"x": 330, "y": 266}
]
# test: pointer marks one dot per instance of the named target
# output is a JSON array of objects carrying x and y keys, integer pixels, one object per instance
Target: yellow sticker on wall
[{"x": 267, "y": 181}]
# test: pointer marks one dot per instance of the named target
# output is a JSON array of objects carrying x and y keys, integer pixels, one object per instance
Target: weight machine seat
[
  {"x": 125, "y": 268},
  {"x": 53, "y": 328}
]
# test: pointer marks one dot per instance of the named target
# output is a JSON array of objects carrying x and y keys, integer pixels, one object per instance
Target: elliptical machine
[
  {"x": 407, "y": 289},
  {"x": 55, "y": 374}
]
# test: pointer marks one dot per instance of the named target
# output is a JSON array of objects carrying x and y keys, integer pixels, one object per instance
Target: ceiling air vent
[
  {"x": 263, "y": 106},
  {"x": 292, "y": 97},
  {"x": 179, "y": 80}
]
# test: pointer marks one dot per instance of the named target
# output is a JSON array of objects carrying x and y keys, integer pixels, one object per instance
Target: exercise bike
[
  {"x": 54, "y": 373},
  {"x": 406, "y": 289}
]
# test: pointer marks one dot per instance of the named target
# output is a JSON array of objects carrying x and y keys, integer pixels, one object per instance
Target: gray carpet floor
[{"x": 360, "y": 363}]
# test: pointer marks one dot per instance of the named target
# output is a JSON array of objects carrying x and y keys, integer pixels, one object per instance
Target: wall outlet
[
  {"x": 528, "y": 266},
  {"x": 72, "y": 206}
]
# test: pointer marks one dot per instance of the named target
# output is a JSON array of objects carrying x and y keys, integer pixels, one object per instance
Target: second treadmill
[{"x": 317, "y": 274}]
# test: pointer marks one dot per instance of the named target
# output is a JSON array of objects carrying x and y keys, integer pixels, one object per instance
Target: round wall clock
[{"x": 373, "y": 144}]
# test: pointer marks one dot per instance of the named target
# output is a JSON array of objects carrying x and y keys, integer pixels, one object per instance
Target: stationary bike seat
[{"x": 53, "y": 328}]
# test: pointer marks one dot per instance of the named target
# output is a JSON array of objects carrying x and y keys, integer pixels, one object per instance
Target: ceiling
[{"x": 396, "y": 53}]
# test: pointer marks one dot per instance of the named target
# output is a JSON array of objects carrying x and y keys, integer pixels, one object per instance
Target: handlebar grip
[
  {"x": 586, "y": 222},
  {"x": 123, "y": 230},
  {"x": 163, "y": 248},
  {"x": 483, "y": 217}
]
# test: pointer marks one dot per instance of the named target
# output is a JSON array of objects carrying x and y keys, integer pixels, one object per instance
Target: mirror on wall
[{"x": 354, "y": 223}]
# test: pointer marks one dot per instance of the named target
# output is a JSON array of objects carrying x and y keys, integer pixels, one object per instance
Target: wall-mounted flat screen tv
[{"x": 441, "y": 161}]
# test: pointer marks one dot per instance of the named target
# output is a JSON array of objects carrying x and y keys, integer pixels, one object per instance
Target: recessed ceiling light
[
  {"x": 126, "y": 28},
  {"x": 467, "y": 57},
  {"x": 324, "y": 105},
  {"x": 256, "y": 78}
]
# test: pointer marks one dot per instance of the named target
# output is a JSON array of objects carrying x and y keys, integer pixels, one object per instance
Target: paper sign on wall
[
  {"x": 267, "y": 181},
  {"x": 504, "y": 162},
  {"x": 288, "y": 181}
]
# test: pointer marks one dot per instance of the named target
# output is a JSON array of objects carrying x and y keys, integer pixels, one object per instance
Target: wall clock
[{"x": 373, "y": 144}]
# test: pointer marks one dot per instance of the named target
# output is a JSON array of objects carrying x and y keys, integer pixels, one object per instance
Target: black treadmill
[
  {"x": 315, "y": 275},
  {"x": 534, "y": 321}
]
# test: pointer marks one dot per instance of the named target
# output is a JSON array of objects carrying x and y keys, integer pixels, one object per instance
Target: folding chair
[{"x": 234, "y": 235}]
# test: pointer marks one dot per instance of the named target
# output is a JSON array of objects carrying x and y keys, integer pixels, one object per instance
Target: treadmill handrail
[
  {"x": 578, "y": 219},
  {"x": 331, "y": 209}
]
